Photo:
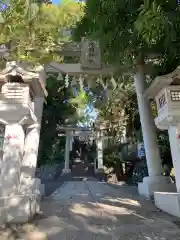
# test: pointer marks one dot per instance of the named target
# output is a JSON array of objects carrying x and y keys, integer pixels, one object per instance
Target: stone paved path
[{"x": 90, "y": 210}]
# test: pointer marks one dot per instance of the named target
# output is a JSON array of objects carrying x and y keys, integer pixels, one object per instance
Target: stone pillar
[
  {"x": 12, "y": 158},
  {"x": 19, "y": 202},
  {"x": 155, "y": 181},
  {"x": 29, "y": 163},
  {"x": 67, "y": 155},
  {"x": 99, "y": 150},
  {"x": 174, "y": 138}
]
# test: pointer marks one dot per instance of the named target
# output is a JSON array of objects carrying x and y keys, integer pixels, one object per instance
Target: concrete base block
[
  {"x": 168, "y": 202},
  {"x": 19, "y": 208},
  {"x": 66, "y": 171},
  {"x": 155, "y": 184}
]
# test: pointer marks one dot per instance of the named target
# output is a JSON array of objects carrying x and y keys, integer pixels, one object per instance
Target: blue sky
[{"x": 55, "y": 1}]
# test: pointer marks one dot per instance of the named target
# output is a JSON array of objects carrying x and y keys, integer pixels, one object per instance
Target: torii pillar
[
  {"x": 67, "y": 152},
  {"x": 155, "y": 181},
  {"x": 99, "y": 143}
]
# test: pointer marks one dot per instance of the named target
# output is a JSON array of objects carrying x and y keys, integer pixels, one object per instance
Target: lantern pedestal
[
  {"x": 168, "y": 202},
  {"x": 155, "y": 184}
]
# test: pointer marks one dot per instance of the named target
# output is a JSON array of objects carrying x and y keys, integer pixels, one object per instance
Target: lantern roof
[
  {"x": 36, "y": 75},
  {"x": 163, "y": 81}
]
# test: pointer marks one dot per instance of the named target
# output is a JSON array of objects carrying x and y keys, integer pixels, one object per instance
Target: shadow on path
[{"x": 93, "y": 210}]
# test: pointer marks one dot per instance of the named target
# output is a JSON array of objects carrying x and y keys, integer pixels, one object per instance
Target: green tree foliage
[
  {"x": 127, "y": 29},
  {"x": 80, "y": 102},
  {"x": 56, "y": 111},
  {"x": 111, "y": 22},
  {"x": 158, "y": 25},
  {"x": 32, "y": 31},
  {"x": 158, "y": 22},
  {"x": 44, "y": 1},
  {"x": 112, "y": 110}
]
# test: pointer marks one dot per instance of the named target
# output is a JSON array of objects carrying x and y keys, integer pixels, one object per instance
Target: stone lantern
[
  {"x": 21, "y": 106},
  {"x": 166, "y": 91}
]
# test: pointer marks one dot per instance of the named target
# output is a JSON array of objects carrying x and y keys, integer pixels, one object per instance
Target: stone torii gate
[
  {"x": 97, "y": 133},
  {"x": 90, "y": 67},
  {"x": 21, "y": 107}
]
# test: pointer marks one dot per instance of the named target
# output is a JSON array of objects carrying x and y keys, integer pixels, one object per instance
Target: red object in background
[
  {"x": 178, "y": 136},
  {"x": 11, "y": 137}
]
